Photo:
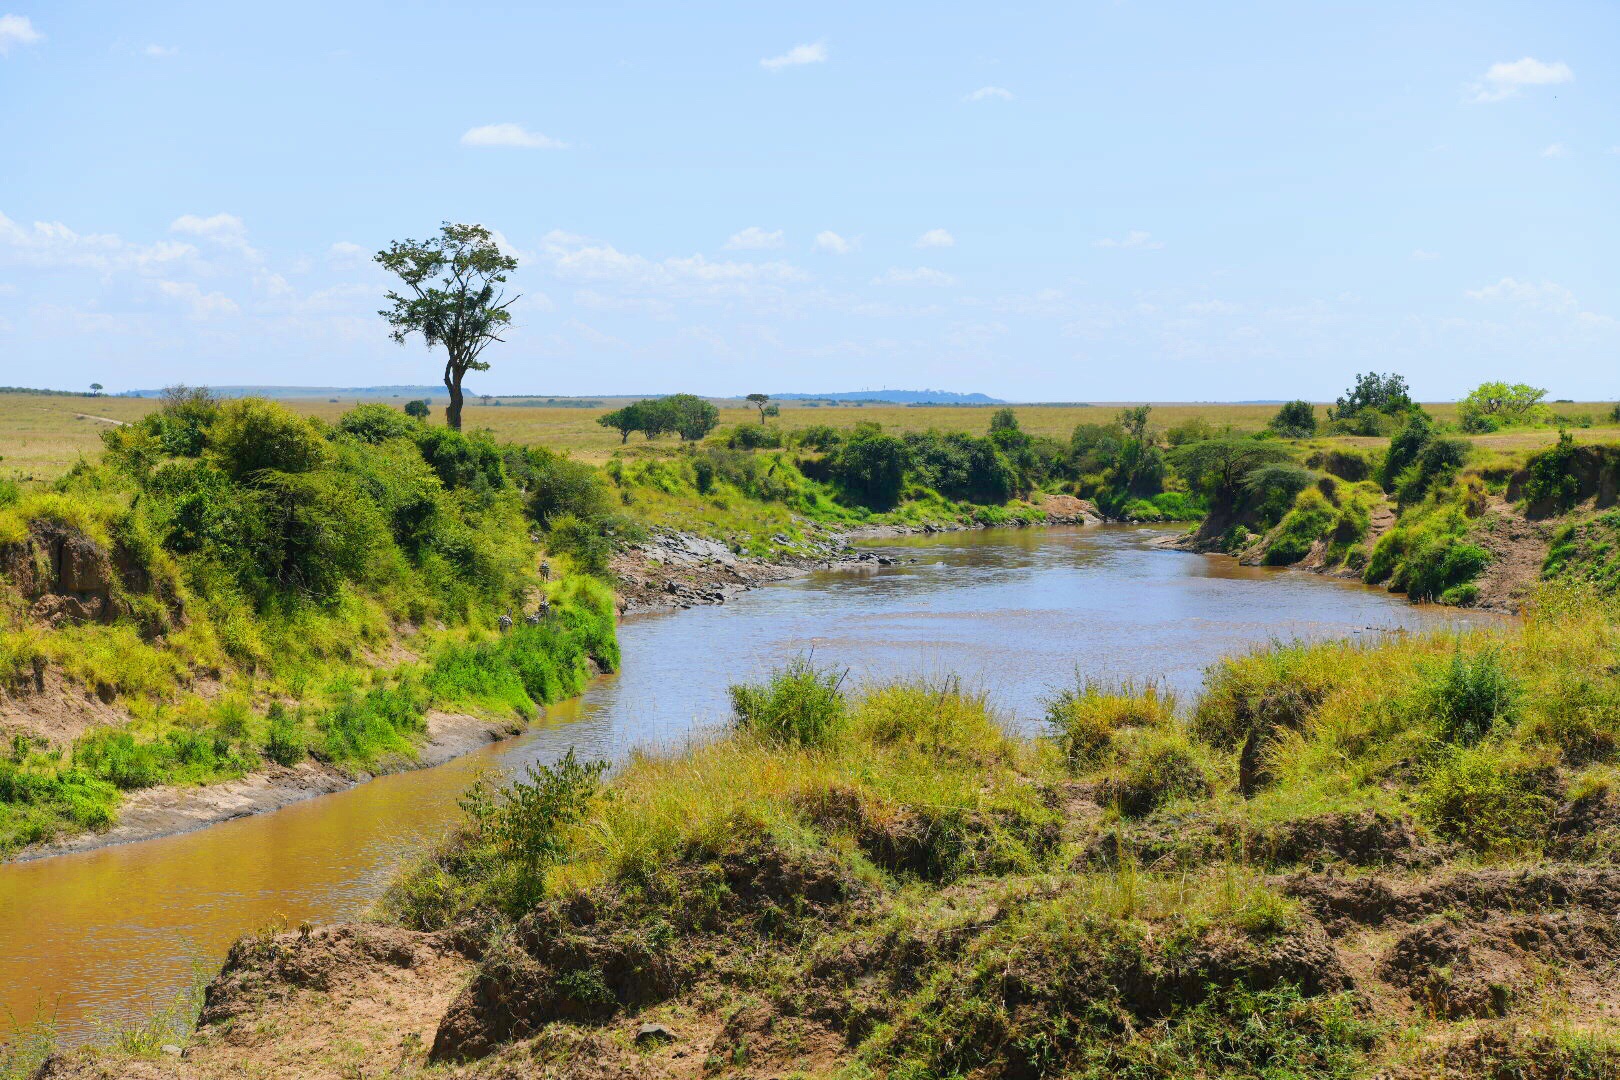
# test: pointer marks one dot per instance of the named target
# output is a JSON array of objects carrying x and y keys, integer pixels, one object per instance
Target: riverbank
[
  {"x": 673, "y": 569},
  {"x": 169, "y": 810},
  {"x": 1341, "y": 861}
]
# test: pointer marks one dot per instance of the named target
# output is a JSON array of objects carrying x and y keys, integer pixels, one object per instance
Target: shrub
[
  {"x": 253, "y": 436},
  {"x": 1467, "y": 695},
  {"x": 286, "y": 742},
  {"x": 1310, "y": 519},
  {"x": 1087, "y": 715},
  {"x": 1270, "y": 490},
  {"x": 1295, "y": 420},
  {"x": 798, "y": 705},
  {"x": 584, "y": 542},
  {"x": 1486, "y": 798},
  {"x": 1404, "y": 449},
  {"x": 377, "y": 423},
  {"x": 557, "y": 484},
  {"x": 1346, "y": 463},
  {"x": 522, "y": 827},
  {"x": 1163, "y": 767},
  {"x": 754, "y": 437},
  {"x": 1553, "y": 484},
  {"x": 819, "y": 437},
  {"x": 871, "y": 468}
]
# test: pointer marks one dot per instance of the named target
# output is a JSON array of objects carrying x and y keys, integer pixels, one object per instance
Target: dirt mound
[
  {"x": 262, "y": 967},
  {"x": 1366, "y": 838},
  {"x": 1341, "y": 901},
  {"x": 1497, "y": 1052},
  {"x": 1587, "y": 829},
  {"x": 1483, "y": 969},
  {"x": 587, "y": 959}
]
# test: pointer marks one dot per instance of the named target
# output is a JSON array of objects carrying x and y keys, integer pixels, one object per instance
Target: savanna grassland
[{"x": 41, "y": 436}]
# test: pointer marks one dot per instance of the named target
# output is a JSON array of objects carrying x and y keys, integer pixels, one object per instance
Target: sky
[{"x": 1086, "y": 200}]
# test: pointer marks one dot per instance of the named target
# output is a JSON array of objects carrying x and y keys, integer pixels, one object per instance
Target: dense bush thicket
[{"x": 241, "y": 541}]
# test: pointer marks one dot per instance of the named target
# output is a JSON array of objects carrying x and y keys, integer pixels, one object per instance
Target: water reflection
[{"x": 109, "y": 933}]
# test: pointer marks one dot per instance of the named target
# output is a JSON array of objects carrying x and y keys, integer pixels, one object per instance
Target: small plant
[
  {"x": 1086, "y": 716},
  {"x": 1163, "y": 768},
  {"x": 1487, "y": 799},
  {"x": 286, "y": 742},
  {"x": 1468, "y": 695},
  {"x": 798, "y": 705}
]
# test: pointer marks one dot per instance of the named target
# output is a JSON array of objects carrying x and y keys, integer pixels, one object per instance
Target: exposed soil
[{"x": 763, "y": 961}]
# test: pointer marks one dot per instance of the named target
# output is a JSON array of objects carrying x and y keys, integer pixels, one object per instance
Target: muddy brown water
[{"x": 95, "y": 940}]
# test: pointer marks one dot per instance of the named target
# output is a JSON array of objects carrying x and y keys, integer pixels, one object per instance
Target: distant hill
[
  {"x": 898, "y": 397},
  {"x": 285, "y": 392}
]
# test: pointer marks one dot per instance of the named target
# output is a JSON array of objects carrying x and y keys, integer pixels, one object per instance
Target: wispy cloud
[
  {"x": 1135, "y": 240},
  {"x": 510, "y": 136},
  {"x": 1419, "y": 255},
  {"x": 17, "y": 30},
  {"x": 1508, "y": 79},
  {"x": 936, "y": 238},
  {"x": 754, "y": 238},
  {"x": 827, "y": 240},
  {"x": 920, "y": 275},
  {"x": 1556, "y": 149},
  {"x": 798, "y": 56},
  {"x": 161, "y": 52},
  {"x": 200, "y": 305},
  {"x": 989, "y": 93}
]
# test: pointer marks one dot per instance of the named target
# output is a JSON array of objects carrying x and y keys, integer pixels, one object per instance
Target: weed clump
[
  {"x": 800, "y": 704},
  {"x": 1488, "y": 798},
  {"x": 1086, "y": 716},
  {"x": 1163, "y": 767}
]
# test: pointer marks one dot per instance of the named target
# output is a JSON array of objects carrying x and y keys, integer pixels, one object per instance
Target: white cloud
[
  {"x": 53, "y": 245},
  {"x": 202, "y": 305},
  {"x": 689, "y": 277},
  {"x": 1419, "y": 255},
  {"x": 346, "y": 253},
  {"x": 921, "y": 275},
  {"x": 510, "y": 136},
  {"x": 989, "y": 93},
  {"x": 17, "y": 30},
  {"x": 1556, "y": 149},
  {"x": 1136, "y": 240},
  {"x": 1547, "y": 296},
  {"x": 1506, "y": 80},
  {"x": 797, "y": 56},
  {"x": 936, "y": 238},
  {"x": 161, "y": 52},
  {"x": 827, "y": 240},
  {"x": 754, "y": 238},
  {"x": 225, "y": 230}
]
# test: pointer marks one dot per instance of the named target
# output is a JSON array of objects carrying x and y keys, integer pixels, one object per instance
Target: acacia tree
[
  {"x": 761, "y": 402},
  {"x": 455, "y": 299}
]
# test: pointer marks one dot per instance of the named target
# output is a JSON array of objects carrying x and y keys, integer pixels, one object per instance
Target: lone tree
[
  {"x": 417, "y": 409},
  {"x": 761, "y": 402},
  {"x": 95, "y": 389},
  {"x": 455, "y": 299}
]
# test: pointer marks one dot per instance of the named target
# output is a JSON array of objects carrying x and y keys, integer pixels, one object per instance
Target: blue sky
[{"x": 1067, "y": 201}]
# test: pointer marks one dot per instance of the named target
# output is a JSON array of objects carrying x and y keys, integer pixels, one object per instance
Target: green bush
[
  {"x": 286, "y": 742},
  {"x": 800, "y": 704},
  {"x": 1162, "y": 768},
  {"x": 1469, "y": 694},
  {"x": 253, "y": 436},
  {"x": 1295, "y": 420},
  {"x": 1486, "y": 798},
  {"x": 1311, "y": 518},
  {"x": 1553, "y": 483},
  {"x": 377, "y": 423},
  {"x": 584, "y": 542}
]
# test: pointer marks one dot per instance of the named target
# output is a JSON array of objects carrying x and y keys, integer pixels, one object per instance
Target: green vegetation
[
  {"x": 239, "y": 544},
  {"x": 687, "y": 415},
  {"x": 895, "y": 874}
]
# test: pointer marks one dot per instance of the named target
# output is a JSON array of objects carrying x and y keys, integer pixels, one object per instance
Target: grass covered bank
[
  {"x": 1395, "y": 859},
  {"x": 233, "y": 586}
]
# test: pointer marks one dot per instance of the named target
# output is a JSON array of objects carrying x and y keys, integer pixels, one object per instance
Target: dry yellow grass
[{"x": 41, "y": 436}]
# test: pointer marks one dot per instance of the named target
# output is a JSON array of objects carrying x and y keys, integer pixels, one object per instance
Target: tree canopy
[{"x": 454, "y": 298}]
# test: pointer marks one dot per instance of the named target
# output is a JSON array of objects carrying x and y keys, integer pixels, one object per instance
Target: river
[{"x": 97, "y": 939}]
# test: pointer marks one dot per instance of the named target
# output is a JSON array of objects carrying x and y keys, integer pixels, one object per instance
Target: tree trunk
[{"x": 452, "y": 411}]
